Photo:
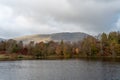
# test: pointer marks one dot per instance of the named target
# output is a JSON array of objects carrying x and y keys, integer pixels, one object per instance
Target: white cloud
[
  {"x": 5, "y": 12},
  {"x": 118, "y": 25}
]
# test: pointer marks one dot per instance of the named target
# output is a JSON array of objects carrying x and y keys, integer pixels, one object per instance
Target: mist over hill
[
  {"x": 65, "y": 36},
  {"x": 1, "y": 39}
]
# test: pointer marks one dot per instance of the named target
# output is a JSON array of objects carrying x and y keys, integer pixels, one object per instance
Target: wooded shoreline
[{"x": 107, "y": 46}]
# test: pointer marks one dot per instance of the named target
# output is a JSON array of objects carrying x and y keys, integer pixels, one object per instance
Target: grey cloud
[{"x": 91, "y": 16}]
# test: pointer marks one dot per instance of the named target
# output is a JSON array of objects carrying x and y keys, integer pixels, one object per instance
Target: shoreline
[{"x": 14, "y": 57}]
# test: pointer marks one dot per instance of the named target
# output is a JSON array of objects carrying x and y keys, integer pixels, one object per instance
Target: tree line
[{"x": 104, "y": 45}]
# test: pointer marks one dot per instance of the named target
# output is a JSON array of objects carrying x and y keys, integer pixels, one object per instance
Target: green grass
[
  {"x": 15, "y": 57},
  {"x": 56, "y": 57}
]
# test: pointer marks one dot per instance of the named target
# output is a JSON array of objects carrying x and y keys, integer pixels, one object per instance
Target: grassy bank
[
  {"x": 15, "y": 57},
  {"x": 7, "y": 57}
]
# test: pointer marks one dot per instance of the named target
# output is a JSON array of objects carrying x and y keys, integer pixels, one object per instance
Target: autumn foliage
[{"x": 105, "y": 45}]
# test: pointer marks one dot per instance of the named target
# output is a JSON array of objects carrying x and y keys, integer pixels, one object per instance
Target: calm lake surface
[{"x": 59, "y": 70}]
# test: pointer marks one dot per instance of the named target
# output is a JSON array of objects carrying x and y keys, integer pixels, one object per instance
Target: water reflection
[{"x": 59, "y": 70}]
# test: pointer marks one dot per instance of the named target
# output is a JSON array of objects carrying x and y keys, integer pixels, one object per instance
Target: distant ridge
[{"x": 66, "y": 36}]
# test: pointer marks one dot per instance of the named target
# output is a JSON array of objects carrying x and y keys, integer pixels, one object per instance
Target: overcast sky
[{"x": 24, "y": 17}]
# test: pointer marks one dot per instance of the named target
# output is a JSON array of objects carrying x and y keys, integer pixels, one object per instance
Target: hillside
[{"x": 73, "y": 37}]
